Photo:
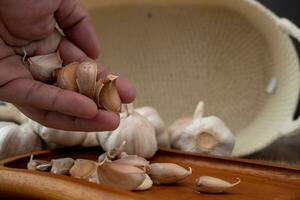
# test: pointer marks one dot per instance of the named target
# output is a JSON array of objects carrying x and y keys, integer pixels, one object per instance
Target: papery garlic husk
[
  {"x": 156, "y": 121},
  {"x": 137, "y": 131},
  {"x": 109, "y": 97},
  {"x": 112, "y": 154},
  {"x": 42, "y": 67},
  {"x": 206, "y": 135},
  {"x": 9, "y": 113},
  {"x": 59, "y": 137},
  {"x": 38, "y": 165},
  {"x": 86, "y": 78},
  {"x": 123, "y": 176},
  {"x": 66, "y": 77},
  {"x": 15, "y": 140},
  {"x": 168, "y": 173},
  {"x": 98, "y": 88},
  {"x": 209, "y": 184},
  {"x": 62, "y": 166},
  {"x": 133, "y": 160},
  {"x": 175, "y": 130},
  {"x": 84, "y": 169}
]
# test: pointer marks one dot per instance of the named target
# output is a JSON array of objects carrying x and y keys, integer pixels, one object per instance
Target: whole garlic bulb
[
  {"x": 8, "y": 112},
  {"x": 204, "y": 134},
  {"x": 136, "y": 130},
  {"x": 15, "y": 139},
  {"x": 154, "y": 118}
]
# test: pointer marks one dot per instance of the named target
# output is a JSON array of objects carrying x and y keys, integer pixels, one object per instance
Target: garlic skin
[
  {"x": 206, "y": 135},
  {"x": 133, "y": 160},
  {"x": 136, "y": 130},
  {"x": 175, "y": 130},
  {"x": 59, "y": 137},
  {"x": 86, "y": 78},
  {"x": 213, "y": 185},
  {"x": 38, "y": 165},
  {"x": 15, "y": 140},
  {"x": 62, "y": 166},
  {"x": 84, "y": 169},
  {"x": 42, "y": 67},
  {"x": 66, "y": 77},
  {"x": 156, "y": 121},
  {"x": 123, "y": 176},
  {"x": 167, "y": 173},
  {"x": 9, "y": 113}
]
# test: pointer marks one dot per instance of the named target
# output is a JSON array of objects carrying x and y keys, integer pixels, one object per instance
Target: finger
[
  {"x": 48, "y": 97},
  {"x": 103, "y": 121},
  {"x": 76, "y": 24}
]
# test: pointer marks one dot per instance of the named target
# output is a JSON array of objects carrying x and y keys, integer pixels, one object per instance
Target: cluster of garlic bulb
[
  {"x": 136, "y": 130},
  {"x": 77, "y": 77},
  {"x": 16, "y": 136},
  {"x": 202, "y": 134},
  {"x": 129, "y": 172}
]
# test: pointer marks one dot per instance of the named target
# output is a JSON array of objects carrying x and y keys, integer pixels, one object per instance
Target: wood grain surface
[{"x": 260, "y": 180}]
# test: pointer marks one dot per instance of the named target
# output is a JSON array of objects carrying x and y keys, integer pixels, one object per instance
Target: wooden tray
[{"x": 260, "y": 180}]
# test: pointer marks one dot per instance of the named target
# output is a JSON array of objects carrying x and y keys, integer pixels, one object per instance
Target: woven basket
[{"x": 223, "y": 52}]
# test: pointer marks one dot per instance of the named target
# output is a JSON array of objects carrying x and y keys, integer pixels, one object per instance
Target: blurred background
[{"x": 287, "y": 149}]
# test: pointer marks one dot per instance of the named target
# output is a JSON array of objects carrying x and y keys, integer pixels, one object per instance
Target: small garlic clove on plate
[
  {"x": 122, "y": 176},
  {"x": 86, "y": 78},
  {"x": 209, "y": 184},
  {"x": 38, "y": 165},
  {"x": 66, "y": 77},
  {"x": 109, "y": 97},
  {"x": 62, "y": 166},
  {"x": 42, "y": 67},
  {"x": 84, "y": 169},
  {"x": 167, "y": 173}
]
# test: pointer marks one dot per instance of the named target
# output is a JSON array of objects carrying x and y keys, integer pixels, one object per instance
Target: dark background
[{"x": 287, "y": 149}]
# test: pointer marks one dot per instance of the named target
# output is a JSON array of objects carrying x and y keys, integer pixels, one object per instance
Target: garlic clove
[
  {"x": 168, "y": 173},
  {"x": 98, "y": 88},
  {"x": 86, "y": 78},
  {"x": 109, "y": 97},
  {"x": 147, "y": 184},
  {"x": 209, "y": 184},
  {"x": 42, "y": 67},
  {"x": 112, "y": 154},
  {"x": 133, "y": 160},
  {"x": 84, "y": 169},
  {"x": 66, "y": 77},
  {"x": 62, "y": 166},
  {"x": 122, "y": 176},
  {"x": 38, "y": 165}
]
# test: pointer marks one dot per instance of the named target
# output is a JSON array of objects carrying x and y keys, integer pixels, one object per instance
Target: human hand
[{"x": 30, "y": 25}]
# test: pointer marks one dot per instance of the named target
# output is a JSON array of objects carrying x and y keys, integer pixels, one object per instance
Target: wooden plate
[{"x": 260, "y": 180}]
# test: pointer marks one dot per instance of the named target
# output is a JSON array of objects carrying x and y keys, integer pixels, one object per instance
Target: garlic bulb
[
  {"x": 42, "y": 67},
  {"x": 204, "y": 134},
  {"x": 214, "y": 185},
  {"x": 136, "y": 130},
  {"x": 8, "y": 112},
  {"x": 168, "y": 173},
  {"x": 59, "y": 137},
  {"x": 156, "y": 121},
  {"x": 123, "y": 176},
  {"x": 15, "y": 139}
]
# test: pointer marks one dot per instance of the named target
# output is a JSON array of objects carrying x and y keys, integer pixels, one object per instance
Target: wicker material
[{"x": 224, "y": 52}]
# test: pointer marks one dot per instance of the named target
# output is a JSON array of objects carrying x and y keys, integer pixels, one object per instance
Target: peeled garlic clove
[
  {"x": 109, "y": 97},
  {"x": 98, "y": 88},
  {"x": 175, "y": 130},
  {"x": 133, "y": 160},
  {"x": 123, "y": 176},
  {"x": 86, "y": 78},
  {"x": 42, "y": 67},
  {"x": 84, "y": 169},
  {"x": 213, "y": 185},
  {"x": 66, "y": 77},
  {"x": 167, "y": 173},
  {"x": 38, "y": 165},
  {"x": 137, "y": 131},
  {"x": 206, "y": 135},
  {"x": 62, "y": 166},
  {"x": 156, "y": 121}
]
